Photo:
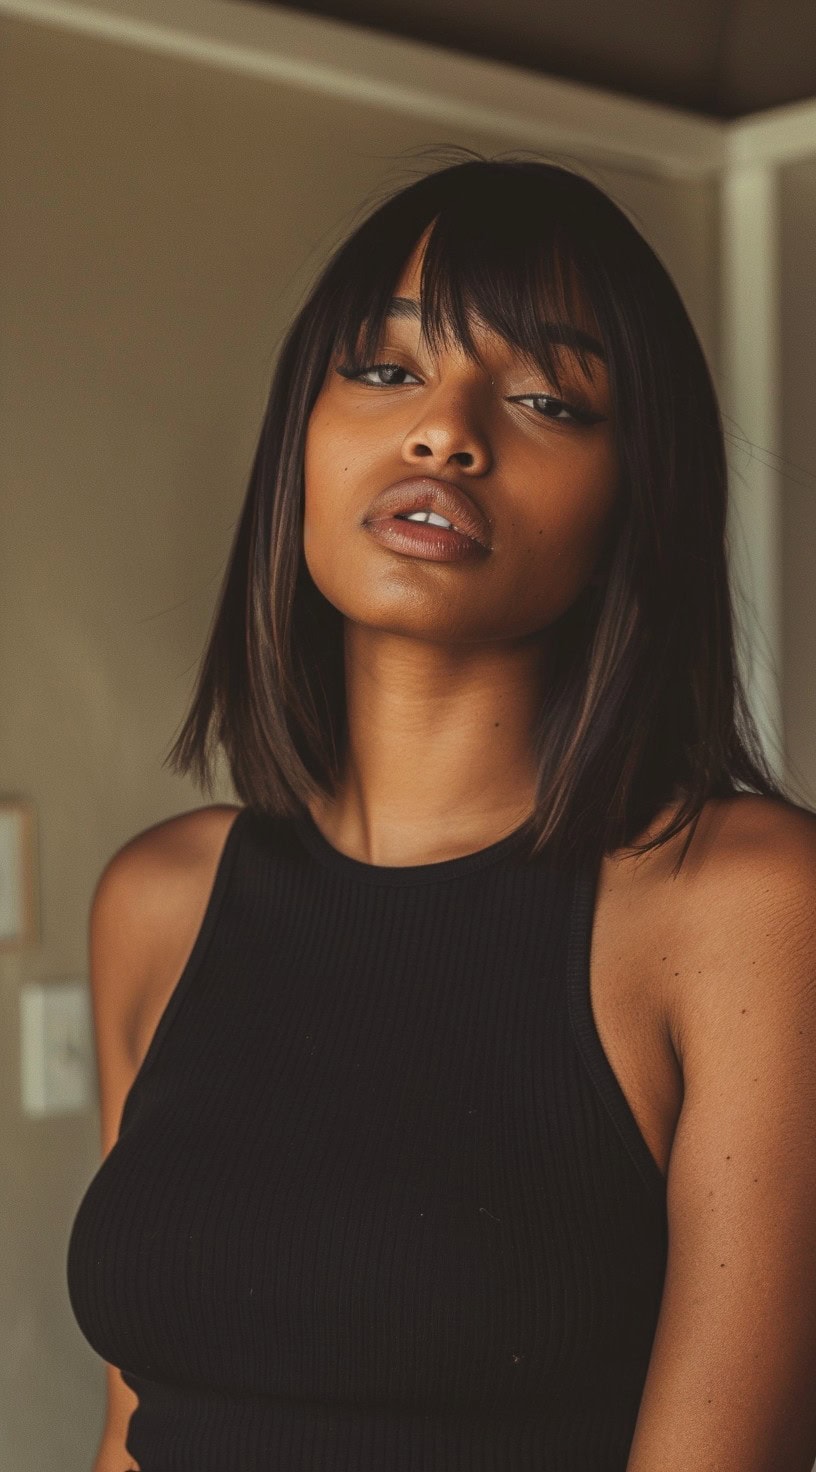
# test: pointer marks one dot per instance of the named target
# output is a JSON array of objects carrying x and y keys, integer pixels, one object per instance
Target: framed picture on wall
[{"x": 18, "y": 917}]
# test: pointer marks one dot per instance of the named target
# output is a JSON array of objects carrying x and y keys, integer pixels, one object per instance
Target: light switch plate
[{"x": 56, "y": 1048}]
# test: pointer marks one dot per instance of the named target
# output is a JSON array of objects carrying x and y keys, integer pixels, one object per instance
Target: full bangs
[{"x": 516, "y": 273}]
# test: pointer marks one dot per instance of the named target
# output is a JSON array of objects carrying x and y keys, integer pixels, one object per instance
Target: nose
[{"x": 449, "y": 431}]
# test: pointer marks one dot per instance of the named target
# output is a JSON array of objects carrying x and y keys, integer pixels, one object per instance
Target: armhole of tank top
[
  {"x": 588, "y": 1038},
  {"x": 195, "y": 958}
]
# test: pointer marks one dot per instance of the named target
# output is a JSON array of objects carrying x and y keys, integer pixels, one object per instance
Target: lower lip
[{"x": 423, "y": 539}]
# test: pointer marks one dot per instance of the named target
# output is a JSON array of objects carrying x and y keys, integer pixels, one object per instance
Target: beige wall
[{"x": 162, "y": 220}]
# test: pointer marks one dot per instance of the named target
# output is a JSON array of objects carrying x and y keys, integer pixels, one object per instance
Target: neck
[{"x": 439, "y": 752}]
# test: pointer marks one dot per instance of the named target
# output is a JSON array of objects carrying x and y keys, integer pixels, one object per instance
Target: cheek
[
  {"x": 568, "y": 525},
  {"x": 314, "y": 490},
  {"x": 330, "y": 472},
  {"x": 334, "y": 465},
  {"x": 323, "y": 462},
  {"x": 315, "y": 458}
]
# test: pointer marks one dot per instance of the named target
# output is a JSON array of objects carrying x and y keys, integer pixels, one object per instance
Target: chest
[
  {"x": 417, "y": 1159},
  {"x": 630, "y": 950}
]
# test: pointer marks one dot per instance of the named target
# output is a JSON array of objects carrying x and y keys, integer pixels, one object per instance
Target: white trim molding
[
  {"x": 409, "y": 77},
  {"x": 750, "y": 379}
]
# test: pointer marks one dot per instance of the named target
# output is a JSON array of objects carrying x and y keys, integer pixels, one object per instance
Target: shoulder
[
  {"x": 168, "y": 849},
  {"x": 156, "y": 881},
  {"x": 739, "y": 844},
  {"x": 147, "y": 906},
  {"x": 751, "y": 856},
  {"x": 741, "y": 917}
]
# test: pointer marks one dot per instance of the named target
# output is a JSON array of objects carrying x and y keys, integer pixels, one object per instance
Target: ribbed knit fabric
[{"x": 377, "y": 1201}]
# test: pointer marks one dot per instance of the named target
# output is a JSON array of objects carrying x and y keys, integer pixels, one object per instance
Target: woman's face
[{"x": 545, "y": 482}]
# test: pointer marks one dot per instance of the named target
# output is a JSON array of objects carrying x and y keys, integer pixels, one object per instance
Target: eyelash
[{"x": 580, "y": 416}]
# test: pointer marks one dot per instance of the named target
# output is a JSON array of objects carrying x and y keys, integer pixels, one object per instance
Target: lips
[{"x": 425, "y": 494}]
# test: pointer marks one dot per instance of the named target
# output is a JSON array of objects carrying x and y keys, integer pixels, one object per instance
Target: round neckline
[{"x": 333, "y": 858}]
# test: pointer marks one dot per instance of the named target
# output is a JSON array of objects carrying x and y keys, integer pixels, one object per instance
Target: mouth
[
  {"x": 435, "y": 509},
  {"x": 423, "y": 539}
]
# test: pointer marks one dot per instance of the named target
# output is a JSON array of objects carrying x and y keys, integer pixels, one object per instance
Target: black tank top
[{"x": 377, "y": 1202}]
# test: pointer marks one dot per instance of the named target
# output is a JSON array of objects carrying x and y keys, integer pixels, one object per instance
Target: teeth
[{"x": 430, "y": 516}]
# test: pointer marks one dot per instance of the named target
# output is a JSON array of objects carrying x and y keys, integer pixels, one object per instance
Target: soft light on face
[{"x": 542, "y": 468}]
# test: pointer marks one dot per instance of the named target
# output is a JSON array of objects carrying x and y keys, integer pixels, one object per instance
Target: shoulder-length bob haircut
[{"x": 645, "y": 703}]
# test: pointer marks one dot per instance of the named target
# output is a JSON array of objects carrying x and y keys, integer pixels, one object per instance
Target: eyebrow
[{"x": 558, "y": 332}]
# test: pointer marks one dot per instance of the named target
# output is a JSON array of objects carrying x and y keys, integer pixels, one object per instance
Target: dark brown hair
[{"x": 645, "y": 703}]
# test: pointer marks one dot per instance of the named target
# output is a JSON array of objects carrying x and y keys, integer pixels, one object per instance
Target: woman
[{"x": 395, "y": 1179}]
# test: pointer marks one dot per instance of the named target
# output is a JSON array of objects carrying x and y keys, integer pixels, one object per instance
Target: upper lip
[{"x": 445, "y": 497}]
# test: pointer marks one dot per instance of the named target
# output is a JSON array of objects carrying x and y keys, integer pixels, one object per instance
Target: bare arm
[
  {"x": 113, "y": 951},
  {"x": 731, "y": 1385},
  {"x": 146, "y": 911}
]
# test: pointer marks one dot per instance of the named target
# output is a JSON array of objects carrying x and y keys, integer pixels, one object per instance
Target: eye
[
  {"x": 565, "y": 413},
  {"x": 360, "y": 373},
  {"x": 578, "y": 416}
]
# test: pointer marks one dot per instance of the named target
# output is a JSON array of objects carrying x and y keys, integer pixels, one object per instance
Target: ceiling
[{"x": 719, "y": 58}]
